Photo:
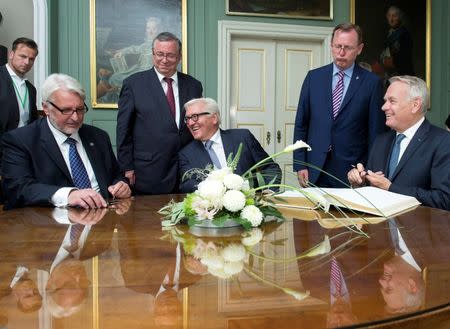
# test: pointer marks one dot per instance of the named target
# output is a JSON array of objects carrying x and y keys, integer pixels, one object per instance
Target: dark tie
[
  {"x": 336, "y": 96},
  {"x": 393, "y": 229},
  {"x": 170, "y": 96},
  {"x": 212, "y": 154},
  {"x": 79, "y": 174},
  {"x": 393, "y": 161}
]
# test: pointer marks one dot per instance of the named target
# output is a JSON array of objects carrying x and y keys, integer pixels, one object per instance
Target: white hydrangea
[
  {"x": 246, "y": 186},
  {"x": 219, "y": 174},
  {"x": 213, "y": 261},
  {"x": 211, "y": 190},
  {"x": 232, "y": 268},
  {"x": 233, "y": 182},
  {"x": 233, "y": 200},
  {"x": 252, "y": 237},
  {"x": 233, "y": 253},
  {"x": 252, "y": 214}
]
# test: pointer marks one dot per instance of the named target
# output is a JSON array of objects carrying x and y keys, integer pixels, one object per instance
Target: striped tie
[
  {"x": 336, "y": 96},
  {"x": 337, "y": 279}
]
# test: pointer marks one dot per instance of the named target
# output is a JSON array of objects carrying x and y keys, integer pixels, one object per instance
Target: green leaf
[{"x": 260, "y": 179}]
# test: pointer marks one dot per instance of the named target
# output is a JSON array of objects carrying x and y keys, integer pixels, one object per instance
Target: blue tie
[
  {"x": 212, "y": 154},
  {"x": 79, "y": 173},
  {"x": 393, "y": 161}
]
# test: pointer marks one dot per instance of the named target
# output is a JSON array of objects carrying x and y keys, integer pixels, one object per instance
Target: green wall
[{"x": 69, "y": 44}]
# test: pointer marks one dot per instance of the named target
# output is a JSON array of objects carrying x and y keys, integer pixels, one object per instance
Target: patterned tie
[
  {"x": 393, "y": 161},
  {"x": 212, "y": 154},
  {"x": 79, "y": 174},
  {"x": 170, "y": 96},
  {"x": 336, "y": 96},
  {"x": 75, "y": 233}
]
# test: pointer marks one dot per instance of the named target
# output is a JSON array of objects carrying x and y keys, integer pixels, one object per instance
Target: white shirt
[
  {"x": 409, "y": 134},
  {"x": 22, "y": 95},
  {"x": 217, "y": 147},
  {"x": 175, "y": 93},
  {"x": 60, "y": 198}
]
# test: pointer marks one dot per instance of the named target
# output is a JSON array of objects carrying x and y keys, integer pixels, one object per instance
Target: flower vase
[{"x": 207, "y": 228}]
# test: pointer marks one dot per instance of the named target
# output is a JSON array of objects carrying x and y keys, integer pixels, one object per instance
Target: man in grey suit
[
  {"x": 150, "y": 122},
  {"x": 414, "y": 157}
]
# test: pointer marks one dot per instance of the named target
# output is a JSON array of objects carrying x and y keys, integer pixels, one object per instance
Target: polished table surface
[{"x": 129, "y": 273}]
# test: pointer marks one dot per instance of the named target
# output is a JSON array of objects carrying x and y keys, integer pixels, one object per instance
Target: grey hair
[
  {"x": 211, "y": 105},
  {"x": 398, "y": 11},
  {"x": 59, "y": 81},
  {"x": 167, "y": 36},
  {"x": 417, "y": 88}
]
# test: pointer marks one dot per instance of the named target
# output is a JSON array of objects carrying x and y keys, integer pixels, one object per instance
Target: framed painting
[
  {"x": 307, "y": 9},
  {"x": 397, "y": 36},
  {"x": 121, "y": 35}
]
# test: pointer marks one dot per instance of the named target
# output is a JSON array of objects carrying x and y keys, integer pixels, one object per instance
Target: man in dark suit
[
  {"x": 203, "y": 120},
  {"x": 414, "y": 157},
  {"x": 338, "y": 113},
  {"x": 58, "y": 160},
  {"x": 17, "y": 94},
  {"x": 150, "y": 121}
]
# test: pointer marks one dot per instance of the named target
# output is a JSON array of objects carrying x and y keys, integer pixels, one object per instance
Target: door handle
[
  {"x": 279, "y": 137},
  {"x": 268, "y": 138}
]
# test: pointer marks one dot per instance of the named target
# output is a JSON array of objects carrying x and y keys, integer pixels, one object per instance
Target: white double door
[{"x": 266, "y": 77}]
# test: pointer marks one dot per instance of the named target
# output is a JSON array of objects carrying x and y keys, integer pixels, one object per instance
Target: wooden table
[{"x": 123, "y": 276}]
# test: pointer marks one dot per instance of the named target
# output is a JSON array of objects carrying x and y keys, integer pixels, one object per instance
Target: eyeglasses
[
  {"x": 169, "y": 56},
  {"x": 344, "y": 48},
  {"x": 70, "y": 112},
  {"x": 194, "y": 117}
]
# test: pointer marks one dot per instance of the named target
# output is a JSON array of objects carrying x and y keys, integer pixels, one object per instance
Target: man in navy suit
[
  {"x": 38, "y": 162},
  {"x": 203, "y": 120},
  {"x": 338, "y": 117},
  {"x": 150, "y": 122},
  {"x": 421, "y": 165}
]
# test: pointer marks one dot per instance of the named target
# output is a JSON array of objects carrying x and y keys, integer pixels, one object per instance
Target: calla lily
[
  {"x": 297, "y": 145},
  {"x": 322, "y": 248},
  {"x": 297, "y": 294}
]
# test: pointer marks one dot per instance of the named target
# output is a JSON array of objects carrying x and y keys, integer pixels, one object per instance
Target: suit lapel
[
  {"x": 183, "y": 98},
  {"x": 355, "y": 83},
  {"x": 416, "y": 141},
  {"x": 49, "y": 145},
  {"x": 202, "y": 154},
  {"x": 10, "y": 91},
  {"x": 155, "y": 88}
]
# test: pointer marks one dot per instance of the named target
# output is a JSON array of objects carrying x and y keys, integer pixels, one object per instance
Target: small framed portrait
[
  {"x": 307, "y": 9},
  {"x": 397, "y": 36},
  {"x": 121, "y": 34}
]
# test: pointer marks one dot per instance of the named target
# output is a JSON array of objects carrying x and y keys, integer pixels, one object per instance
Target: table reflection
[{"x": 114, "y": 268}]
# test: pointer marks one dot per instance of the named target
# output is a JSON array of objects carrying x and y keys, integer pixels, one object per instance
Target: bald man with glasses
[{"x": 212, "y": 145}]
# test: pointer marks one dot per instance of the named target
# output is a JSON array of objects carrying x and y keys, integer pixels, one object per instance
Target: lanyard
[{"x": 23, "y": 100}]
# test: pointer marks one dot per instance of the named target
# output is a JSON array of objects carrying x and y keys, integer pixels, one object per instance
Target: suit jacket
[
  {"x": 34, "y": 168},
  {"x": 194, "y": 155},
  {"x": 9, "y": 114},
  {"x": 148, "y": 139},
  {"x": 424, "y": 169},
  {"x": 351, "y": 134}
]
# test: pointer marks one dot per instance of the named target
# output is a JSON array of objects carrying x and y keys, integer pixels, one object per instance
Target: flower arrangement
[
  {"x": 227, "y": 258},
  {"x": 222, "y": 196}
]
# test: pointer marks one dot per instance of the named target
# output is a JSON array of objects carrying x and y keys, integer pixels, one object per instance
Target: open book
[{"x": 370, "y": 200}]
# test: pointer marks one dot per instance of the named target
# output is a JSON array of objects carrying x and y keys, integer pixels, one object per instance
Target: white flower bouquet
[
  {"x": 227, "y": 258},
  {"x": 223, "y": 196}
]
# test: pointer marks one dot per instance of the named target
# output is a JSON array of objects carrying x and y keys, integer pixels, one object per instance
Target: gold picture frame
[
  {"x": 371, "y": 17},
  {"x": 116, "y": 46},
  {"x": 317, "y": 9}
]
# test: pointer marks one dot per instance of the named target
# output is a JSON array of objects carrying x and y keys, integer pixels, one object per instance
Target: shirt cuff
[{"x": 61, "y": 197}]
